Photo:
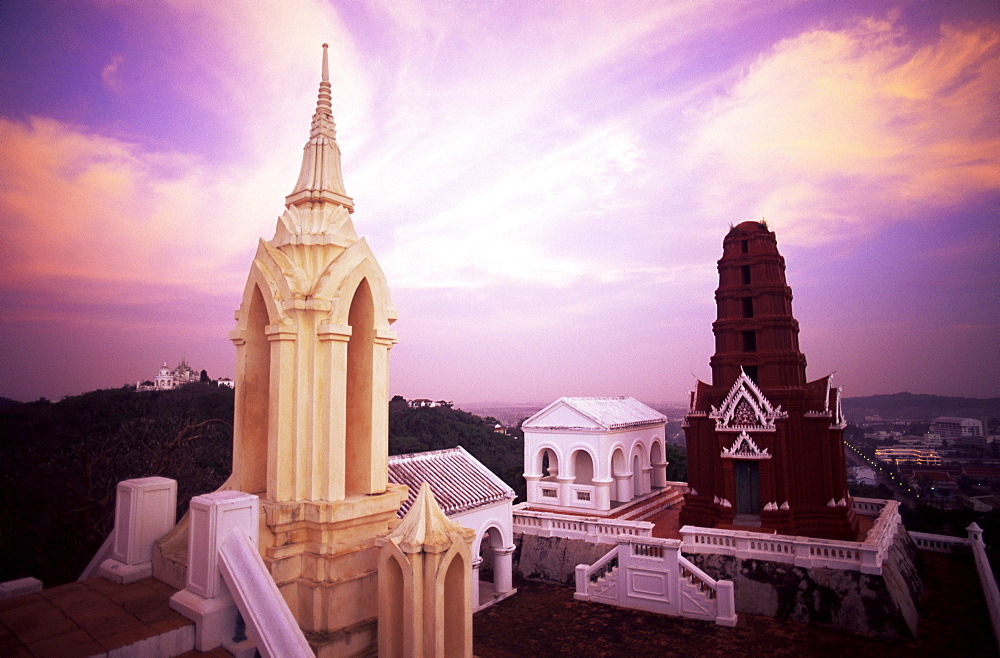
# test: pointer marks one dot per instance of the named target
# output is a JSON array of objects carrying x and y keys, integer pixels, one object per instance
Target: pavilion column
[
  {"x": 532, "y": 488},
  {"x": 503, "y": 572},
  {"x": 659, "y": 476},
  {"x": 282, "y": 447},
  {"x": 566, "y": 490},
  {"x": 623, "y": 487},
  {"x": 645, "y": 484},
  {"x": 476, "y": 563},
  {"x": 602, "y": 494}
]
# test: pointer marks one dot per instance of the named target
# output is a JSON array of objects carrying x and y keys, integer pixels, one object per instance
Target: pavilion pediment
[{"x": 562, "y": 416}]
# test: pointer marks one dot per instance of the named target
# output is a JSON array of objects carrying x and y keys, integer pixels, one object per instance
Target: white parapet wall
[
  {"x": 807, "y": 552},
  {"x": 587, "y": 528}
]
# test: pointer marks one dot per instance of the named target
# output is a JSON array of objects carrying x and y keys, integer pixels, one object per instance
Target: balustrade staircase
[{"x": 650, "y": 574}]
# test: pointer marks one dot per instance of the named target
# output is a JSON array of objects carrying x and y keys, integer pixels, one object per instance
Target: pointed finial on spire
[
  {"x": 320, "y": 177},
  {"x": 323, "y": 118}
]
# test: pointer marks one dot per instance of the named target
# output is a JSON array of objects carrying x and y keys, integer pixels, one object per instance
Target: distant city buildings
[
  {"x": 951, "y": 427},
  {"x": 898, "y": 454}
]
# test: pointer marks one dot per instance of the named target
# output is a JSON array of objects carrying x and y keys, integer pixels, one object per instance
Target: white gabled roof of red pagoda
[{"x": 745, "y": 408}]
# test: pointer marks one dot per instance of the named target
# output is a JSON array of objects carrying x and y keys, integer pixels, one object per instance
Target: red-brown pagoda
[{"x": 764, "y": 447}]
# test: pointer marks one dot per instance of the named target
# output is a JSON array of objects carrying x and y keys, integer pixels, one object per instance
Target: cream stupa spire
[{"x": 318, "y": 209}]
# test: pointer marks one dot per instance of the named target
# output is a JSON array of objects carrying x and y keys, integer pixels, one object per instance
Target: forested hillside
[
  {"x": 62, "y": 460},
  {"x": 913, "y": 406},
  {"x": 436, "y": 428}
]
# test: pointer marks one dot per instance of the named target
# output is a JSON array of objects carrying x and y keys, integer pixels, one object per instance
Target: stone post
[
  {"x": 623, "y": 487},
  {"x": 645, "y": 485},
  {"x": 659, "y": 477},
  {"x": 205, "y": 599},
  {"x": 566, "y": 490},
  {"x": 602, "y": 494},
  {"x": 146, "y": 509},
  {"x": 532, "y": 492},
  {"x": 725, "y": 598}
]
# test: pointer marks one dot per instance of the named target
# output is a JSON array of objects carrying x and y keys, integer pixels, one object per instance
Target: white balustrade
[
  {"x": 592, "y": 529},
  {"x": 866, "y": 556}
]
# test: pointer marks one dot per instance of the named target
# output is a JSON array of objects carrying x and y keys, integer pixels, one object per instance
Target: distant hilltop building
[
  {"x": 424, "y": 402},
  {"x": 167, "y": 379}
]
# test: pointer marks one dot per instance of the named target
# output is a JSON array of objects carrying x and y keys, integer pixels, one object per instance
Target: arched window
[
  {"x": 255, "y": 398},
  {"x": 392, "y": 627},
  {"x": 360, "y": 352},
  {"x": 550, "y": 464},
  {"x": 583, "y": 467},
  {"x": 455, "y": 608}
]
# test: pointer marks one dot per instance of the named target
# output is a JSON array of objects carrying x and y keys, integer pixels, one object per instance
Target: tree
[
  {"x": 677, "y": 470},
  {"x": 204, "y": 377}
]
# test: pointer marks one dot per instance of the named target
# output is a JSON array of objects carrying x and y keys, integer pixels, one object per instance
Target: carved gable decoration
[
  {"x": 744, "y": 448},
  {"x": 746, "y": 409}
]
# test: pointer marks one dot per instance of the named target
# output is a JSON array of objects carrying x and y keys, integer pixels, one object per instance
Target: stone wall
[
  {"x": 876, "y": 604},
  {"x": 554, "y": 559}
]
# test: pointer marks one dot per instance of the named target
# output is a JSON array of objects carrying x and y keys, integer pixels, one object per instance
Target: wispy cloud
[{"x": 857, "y": 127}]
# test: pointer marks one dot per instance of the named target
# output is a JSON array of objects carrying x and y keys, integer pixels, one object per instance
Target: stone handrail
[
  {"x": 697, "y": 577},
  {"x": 866, "y": 556},
  {"x": 587, "y": 528},
  {"x": 102, "y": 554},
  {"x": 270, "y": 623},
  {"x": 589, "y": 574},
  {"x": 989, "y": 584}
]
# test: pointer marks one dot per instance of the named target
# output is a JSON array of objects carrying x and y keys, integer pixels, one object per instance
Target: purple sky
[{"x": 546, "y": 185}]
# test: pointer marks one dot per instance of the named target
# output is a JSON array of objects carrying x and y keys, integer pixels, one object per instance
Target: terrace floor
[{"x": 544, "y": 619}]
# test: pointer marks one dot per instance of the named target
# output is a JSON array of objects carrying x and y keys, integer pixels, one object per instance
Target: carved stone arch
[
  {"x": 572, "y": 462},
  {"x": 619, "y": 464},
  {"x": 639, "y": 450},
  {"x": 499, "y": 540},
  {"x": 359, "y": 389},
  {"x": 253, "y": 458},
  {"x": 656, "y": 451},
  {"x": 340, "y": 282},
  {"x": 272, "y": 289},
  {"x": 539, "y": 458}
]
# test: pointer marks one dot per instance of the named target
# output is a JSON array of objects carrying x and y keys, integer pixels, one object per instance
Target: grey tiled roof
[
  {"x": 459, "y": 481},
  {"x": 609, "y": 412}
]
